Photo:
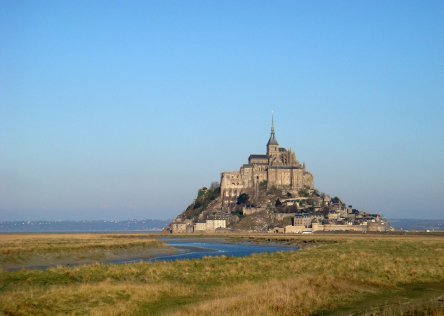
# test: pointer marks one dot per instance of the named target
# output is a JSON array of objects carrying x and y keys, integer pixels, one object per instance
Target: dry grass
[
  {"x": 294, "y": 296},
  {"x": 341, "y": 272},
  {"x": 42, "y": 249},
  {"x": 102, "y": 298}
]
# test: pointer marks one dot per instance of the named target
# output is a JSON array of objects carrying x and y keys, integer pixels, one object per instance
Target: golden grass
[
  {"x": 342, "y": 271},
  {"x": 41, "y": 249},
  {"x": 102, "y": 298},
  {"x": 294, "y": 296}
]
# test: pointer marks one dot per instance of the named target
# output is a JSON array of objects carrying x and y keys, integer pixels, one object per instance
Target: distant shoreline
[
  {"x": 95, "y": 226},
  {"x": 157, "y": 226}
]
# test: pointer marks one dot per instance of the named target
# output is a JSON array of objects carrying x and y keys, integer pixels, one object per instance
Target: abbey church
[{"x": 279, "y": 168}]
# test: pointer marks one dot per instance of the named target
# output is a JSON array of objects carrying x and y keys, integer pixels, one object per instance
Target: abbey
[
  {"x": 272, "y": 193},
  {"x": 279, "y": 168}
]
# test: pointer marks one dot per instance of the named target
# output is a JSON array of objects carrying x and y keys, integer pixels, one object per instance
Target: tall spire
[
  {"x": 272, "y": 140},
  {"x": 272, "y": 122}
]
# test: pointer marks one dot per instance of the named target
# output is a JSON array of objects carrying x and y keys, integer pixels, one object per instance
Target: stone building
[
  {"x": 278, "y": 168},
  {"x": 178, "y": 228},
  {"x": 210, "y": 225}
]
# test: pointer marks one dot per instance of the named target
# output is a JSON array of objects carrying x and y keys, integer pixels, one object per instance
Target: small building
[
  {"x": 305, "y": 219},
  {"x": 332, "y": 215},
  {"x": 279, "y": 230},
  {"x": 178, "y": 228},
  {"x": 213, "y": 224},
  {"x": 377, "y": 227},
  {"x": 199, "y": 227},
  {"x": 210, "y": 225},
  {"x": 293, "y": 201}
]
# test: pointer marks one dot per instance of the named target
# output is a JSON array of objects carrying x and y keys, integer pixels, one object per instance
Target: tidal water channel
[
  {"x": 181, "y": 249},
  {"x": 198, "y": 249}
]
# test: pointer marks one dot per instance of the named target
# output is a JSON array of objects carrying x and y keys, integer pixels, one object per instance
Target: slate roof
[
  {"x": 272, "y": 140},
  {"x": 254, "y": 156}
]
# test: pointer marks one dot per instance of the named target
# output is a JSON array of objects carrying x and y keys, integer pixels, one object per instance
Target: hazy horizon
[
  {"x": 114, "y": 110},
  {"x": 168, "y": 219}
]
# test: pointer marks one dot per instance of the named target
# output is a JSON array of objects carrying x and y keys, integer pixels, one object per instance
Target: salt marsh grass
[
  {"x": 339, "y": 275},
  {"x": 41, "y": 249}
]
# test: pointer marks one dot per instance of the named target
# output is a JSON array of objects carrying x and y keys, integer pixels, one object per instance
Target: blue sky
[{"x": 123, "y": 109}]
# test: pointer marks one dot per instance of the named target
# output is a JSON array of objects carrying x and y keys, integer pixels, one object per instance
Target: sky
[{"x": 123, "y": 109}]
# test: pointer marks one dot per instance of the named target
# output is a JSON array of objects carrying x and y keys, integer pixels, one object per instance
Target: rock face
[
  {"x": 272, "y": 193},
  {"x": 274, "y": 210}
]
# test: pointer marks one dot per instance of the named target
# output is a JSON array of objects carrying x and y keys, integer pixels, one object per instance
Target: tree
[
  {"x": 278, "y": 203},
  {"x": 214, "y": 185},
  {"x": 336, "y": 200},
  {"x": 242, "y": 199}
]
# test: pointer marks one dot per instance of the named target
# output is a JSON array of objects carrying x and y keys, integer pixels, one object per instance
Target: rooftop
[{"x": 254, "y": 156}]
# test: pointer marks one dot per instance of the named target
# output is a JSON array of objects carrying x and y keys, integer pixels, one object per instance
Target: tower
[{"x": 272, "y": 145}]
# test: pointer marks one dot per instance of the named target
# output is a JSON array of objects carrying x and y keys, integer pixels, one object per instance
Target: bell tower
[{"x": 272, "y": 145}]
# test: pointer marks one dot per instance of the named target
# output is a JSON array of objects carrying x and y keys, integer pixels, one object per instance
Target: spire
[
  {"x": 272, "y": 140},
  {"x": 272, "y": 122}
]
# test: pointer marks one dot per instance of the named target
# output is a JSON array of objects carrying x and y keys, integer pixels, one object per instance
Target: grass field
[
  {"x": 40, "y": 250},
  {"x": 341, "y": 275}
]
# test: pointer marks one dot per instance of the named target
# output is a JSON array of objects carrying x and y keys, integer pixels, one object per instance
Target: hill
[{"x": 274, "y": 210}]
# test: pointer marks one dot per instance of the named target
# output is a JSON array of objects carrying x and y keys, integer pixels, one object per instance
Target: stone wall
[
  {"x": 297, "y": 229},
  {"x": 231, "y": 186},
  {"x": 336, "y": 227}
]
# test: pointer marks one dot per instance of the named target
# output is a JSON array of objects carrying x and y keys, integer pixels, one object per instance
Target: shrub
[
  {"x": 242, "y": 199},
  {"x": 203, "y": 199}
]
